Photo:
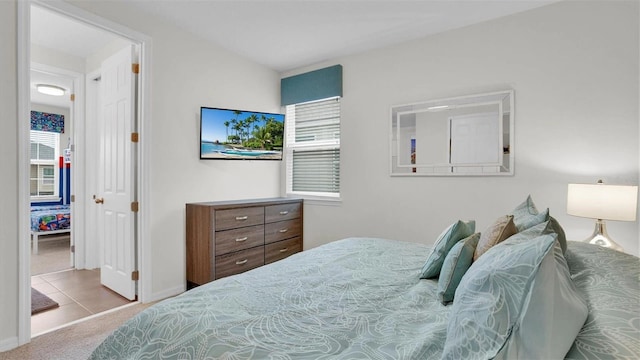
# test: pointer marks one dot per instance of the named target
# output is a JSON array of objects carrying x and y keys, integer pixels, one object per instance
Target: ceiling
[
  {"x": 68, "y": 37},
  {"x": 285, "y": 35}
]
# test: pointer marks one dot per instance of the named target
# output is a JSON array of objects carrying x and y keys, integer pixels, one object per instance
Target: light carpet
[{"x": 75, "y": 341}]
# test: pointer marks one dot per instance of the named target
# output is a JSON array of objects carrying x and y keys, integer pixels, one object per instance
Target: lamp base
[{"x": 601, "y": 238}]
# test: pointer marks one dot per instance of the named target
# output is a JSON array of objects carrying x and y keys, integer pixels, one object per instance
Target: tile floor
[
  {"x": 79, "y": 294},
  {"x": 53, "y": 255}
]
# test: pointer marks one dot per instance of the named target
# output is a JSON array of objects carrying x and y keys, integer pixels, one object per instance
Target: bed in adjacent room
[
  {"x": 529, "y": 295},
  {"x": 48, "y": 220}
]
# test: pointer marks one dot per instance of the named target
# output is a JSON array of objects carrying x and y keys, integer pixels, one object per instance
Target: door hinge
[
  {"x": 73, "y": 198},
  {"x": 134, "y": 206},
  {"x": 72, "y": 97},
  {"x": 135, "y": 68},
  {"x": 73, "y": 248},
  {"x": 135, "y": 137},
  {"x": 135, "y": 275}
]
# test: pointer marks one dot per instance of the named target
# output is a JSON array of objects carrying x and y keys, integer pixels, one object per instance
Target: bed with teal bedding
[{"x": 362, "y": 298}]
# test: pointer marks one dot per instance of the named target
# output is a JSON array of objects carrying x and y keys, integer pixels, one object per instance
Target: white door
[
  {"x": 116, "y": 177},
  {"x": 475, "y": 139}
]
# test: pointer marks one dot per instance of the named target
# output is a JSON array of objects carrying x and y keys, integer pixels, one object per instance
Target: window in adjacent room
[
  {"x": 313, "y": 149},
  {"x": 44, "y": 166}
]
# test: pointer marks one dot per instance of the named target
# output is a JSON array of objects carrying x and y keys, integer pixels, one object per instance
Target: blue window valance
[
  {"x": 47, "y": 122},
  {"x": 314, "y": 85}
]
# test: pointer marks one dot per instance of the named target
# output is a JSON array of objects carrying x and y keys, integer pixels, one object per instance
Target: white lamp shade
[{"x": 599, "y": 201}]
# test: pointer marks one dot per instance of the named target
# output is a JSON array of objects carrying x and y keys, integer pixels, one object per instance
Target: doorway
[{"x": 82, "y": 186}]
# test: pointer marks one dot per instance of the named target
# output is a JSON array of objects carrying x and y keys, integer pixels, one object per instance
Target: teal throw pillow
[
  {"x": 455, "y": 265},
  {"x": 562, "y": 237},
  {"x": 512, "y": 300},
  {"x": 548, "y": 227},
  {"x": 527, "y": 215},
  {"x": 449, "y": 237},
  {"x": 526, "y": 208}
]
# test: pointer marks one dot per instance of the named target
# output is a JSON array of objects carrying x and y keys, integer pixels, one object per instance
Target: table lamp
[{"x": 602, "y": 202}]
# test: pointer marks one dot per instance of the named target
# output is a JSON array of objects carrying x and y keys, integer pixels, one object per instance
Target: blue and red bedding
[{"x": 50, "y": 217}]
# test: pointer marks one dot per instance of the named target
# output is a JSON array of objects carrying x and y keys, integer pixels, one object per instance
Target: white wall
[
  {"x": 188, "y": 73},
  {"x": 8, "y": 177},
  {"x": 576, "y": 89},
  {"x": 574, "y": 68}
]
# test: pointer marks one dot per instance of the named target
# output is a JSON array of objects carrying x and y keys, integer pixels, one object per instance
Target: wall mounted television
[{"x": 227, "y": 134}]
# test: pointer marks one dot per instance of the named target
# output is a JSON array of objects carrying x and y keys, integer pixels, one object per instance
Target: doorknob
[{"x": 98, "y": 200}]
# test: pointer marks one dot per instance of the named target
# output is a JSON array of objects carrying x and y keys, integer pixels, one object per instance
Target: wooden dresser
[{"x": 229, "y": 237}]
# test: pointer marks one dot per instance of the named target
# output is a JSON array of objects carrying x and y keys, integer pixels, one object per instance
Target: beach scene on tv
[{"x": 234, "y": 134}]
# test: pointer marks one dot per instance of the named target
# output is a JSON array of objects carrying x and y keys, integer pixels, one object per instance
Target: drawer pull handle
[
  {"x": 284, "y": 212},
  {"x": 241, "y": 239},
  {"x": 284, "y": 250},
  {"x": 241, "y": 262},
  {"x": 241, "y": 218},
  {"x": 283, "y": 230}
]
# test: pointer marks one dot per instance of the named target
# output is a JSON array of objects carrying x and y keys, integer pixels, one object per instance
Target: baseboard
[
  {"x": 166, "y": 293},
  {"x": 8, "y": 344}
]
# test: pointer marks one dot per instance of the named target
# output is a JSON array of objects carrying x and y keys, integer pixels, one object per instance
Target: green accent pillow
[
  {"x": 449, "y": 237},
  {"x": 455, "y": 265}
]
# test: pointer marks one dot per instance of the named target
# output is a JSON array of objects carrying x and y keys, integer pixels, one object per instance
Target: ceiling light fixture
[{"x": 50, "y": 89}]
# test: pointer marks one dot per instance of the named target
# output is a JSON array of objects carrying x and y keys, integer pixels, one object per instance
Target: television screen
[{"x": 240, "y": 135}]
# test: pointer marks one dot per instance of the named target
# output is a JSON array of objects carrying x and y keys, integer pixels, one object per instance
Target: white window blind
[
  {"x": 44, "y": 164},
  {"x": 313, "y": 148}
]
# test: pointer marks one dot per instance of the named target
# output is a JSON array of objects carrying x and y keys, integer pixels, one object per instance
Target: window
[
  {"x": 313, "y": 148},
  {"x": 44, "y": 154}
]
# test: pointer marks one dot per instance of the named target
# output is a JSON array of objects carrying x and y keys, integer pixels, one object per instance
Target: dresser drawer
[
  {"x": 240, "y": 261},
  {"x": 235, "y": 218},
  {"x": 282, "y": 230},
  {"x": 239, "y": 239},
  {"x": 281, "y": 249},
  {"x": 282, "y": 212}
]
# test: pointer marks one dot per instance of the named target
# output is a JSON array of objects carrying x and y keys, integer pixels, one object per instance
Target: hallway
[{"x": 78, "y": 293}]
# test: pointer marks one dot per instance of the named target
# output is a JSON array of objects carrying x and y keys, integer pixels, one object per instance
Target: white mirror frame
[{"x": 499, "y": 160}]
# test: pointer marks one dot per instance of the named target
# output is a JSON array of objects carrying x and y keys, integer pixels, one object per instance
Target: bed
[
  {"x": 47, "y": 220},
  {"x": 528, "y": 296}
]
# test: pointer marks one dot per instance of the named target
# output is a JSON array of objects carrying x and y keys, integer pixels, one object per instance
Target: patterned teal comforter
[
  {"x": 351, "y": 299},
  {"x": 610, "y": 282}
]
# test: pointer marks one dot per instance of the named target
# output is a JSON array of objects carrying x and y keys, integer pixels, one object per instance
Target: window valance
[
  {"x": 314, "y": 85},
  {"x": 47, "y": 122}
]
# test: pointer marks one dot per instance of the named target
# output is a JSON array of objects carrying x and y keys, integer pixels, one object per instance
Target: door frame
[
  {"x": 77, "y": 114},
  {"x": 143, "y": 246}
]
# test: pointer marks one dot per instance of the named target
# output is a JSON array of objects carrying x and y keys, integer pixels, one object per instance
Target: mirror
[{"x": 467, "y": 135}]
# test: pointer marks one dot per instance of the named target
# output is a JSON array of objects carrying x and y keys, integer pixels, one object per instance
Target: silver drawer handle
[
  {"x": 284, "y": 212},
  {"x": 241, "y": 218},
  {"x": 241, "y": 239},
  {"x": 240, "y": 262},
  {"x": 283, "y": 230},
  {"x": 284, "y": 250}
]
